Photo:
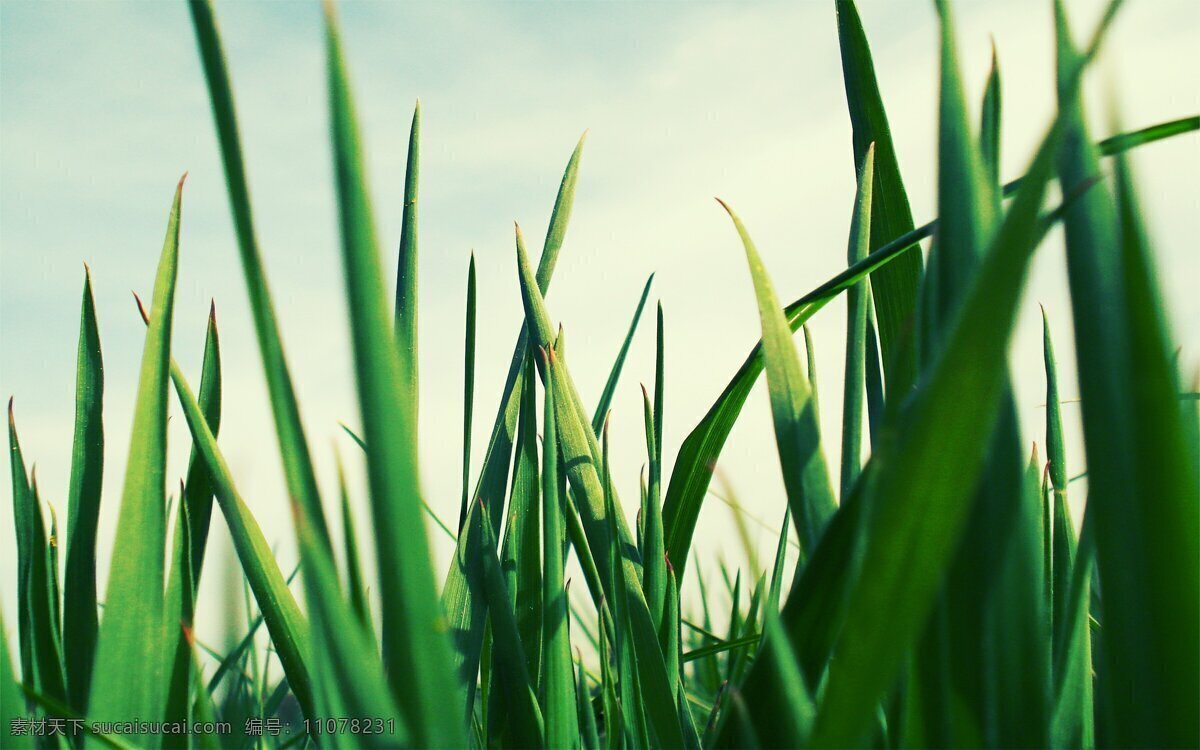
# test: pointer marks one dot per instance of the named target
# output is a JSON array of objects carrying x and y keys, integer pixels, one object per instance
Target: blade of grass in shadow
[
  {"x": 416, "y": 655},
  {"x": 293, "y": 445},
  {"x": 133, "y": 623},
  {"x": 654, "y": 564},
  {"x": 920, "y": 494},
  {"x": 805, "y": 475},
  {"x": 1142, "y": 483},
  {"x": 80, "y": 621}
]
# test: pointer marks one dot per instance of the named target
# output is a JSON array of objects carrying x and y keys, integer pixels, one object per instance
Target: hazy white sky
[{"x": 102, "y": 106}]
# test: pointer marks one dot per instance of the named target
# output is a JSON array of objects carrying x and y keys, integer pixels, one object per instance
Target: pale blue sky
[{"x": 102, "y": 106}]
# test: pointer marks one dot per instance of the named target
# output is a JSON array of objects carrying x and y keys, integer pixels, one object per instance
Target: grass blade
[
  {"x": 80, "y": 621},
  {"x": 920, "y": 494},
  {"x": 1142, "y": 483},
  {"x": 857, "y": 300},
  {"x": 293, "y": 445},
  {"x": 614, "y": 374},
  {"x": 895, "y": 287},
  {"x": 406, "y": 269},
  {"x": 134, "y": 604},
  {"x": 558, "y": 680},
  {"x": 415, "y": 653}
]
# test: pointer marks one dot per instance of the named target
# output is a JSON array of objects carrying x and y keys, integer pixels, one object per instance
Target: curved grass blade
[
  {"x": 857, "y": 301},
  {"x": 80, "y": 621},
  {"x": 293, "y": 445},
  {"x": 416, "y": 655},
  {"x": 805, "y": 475}
]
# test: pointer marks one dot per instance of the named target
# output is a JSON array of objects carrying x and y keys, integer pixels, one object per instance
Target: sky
[{"x": 103, "y": 106}]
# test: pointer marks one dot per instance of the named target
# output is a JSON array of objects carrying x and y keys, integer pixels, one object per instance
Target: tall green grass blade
[
  {"x": 406, "y": 270},
  {"x": 797, "y": 433},
  {"x": 558, "y": 679},
  {"x": 468, "y": 391},
  {"x": 134, "y": 604},
  {"x": 80, "y": 621},
  {"x": 873, "y": 375},
  {"x": 857, "y": 301},
  {"x": 920, "y": 494},
  {"x": 293, "y": 445},
  {"x": 895, "y": 287},
  {"x": 1142, "y": 483},
  {"x": 462, "y": 592},
  {"x": 415, "y": 652}
]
